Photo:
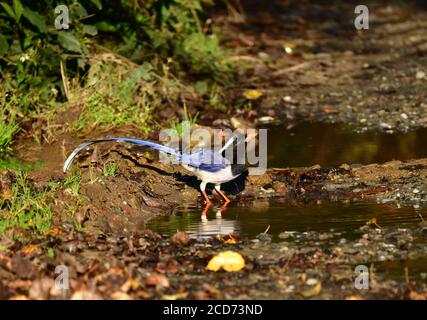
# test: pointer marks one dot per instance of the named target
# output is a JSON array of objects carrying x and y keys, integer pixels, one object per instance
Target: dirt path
[{"x": 311, "y": 63}]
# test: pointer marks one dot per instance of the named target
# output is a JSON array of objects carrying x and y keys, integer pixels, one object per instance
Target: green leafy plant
[
  {"x": 73, "y": 182},
  {"x": 8, "y": 128},
  {"x": 27, "y": 208},
  {"x": 110, "y": 169},
  {"x": 180, "y": 125},
  {"x": 115, "y": 63}
]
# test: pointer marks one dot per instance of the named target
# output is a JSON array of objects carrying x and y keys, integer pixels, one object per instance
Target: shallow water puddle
[
  {"x": 307, "y": 144},
  {"x": 287, "y": 221},
  {"x": 326, "y": 144}
]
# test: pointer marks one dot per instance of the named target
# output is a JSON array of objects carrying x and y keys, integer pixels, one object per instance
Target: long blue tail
[{"x": 149, "y": 144}]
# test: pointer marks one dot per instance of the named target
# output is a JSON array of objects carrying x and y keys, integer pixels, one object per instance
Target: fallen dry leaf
[
  {"x": 19, "y": 297},
  {"x": 329, "y": 110},
  {"x": 413, "y": 295},
  {"x": 23, "y": 267},
  {"x": 85, "y": 295},
  {"x": 312, "y": 291},
  {"x": 230, "y": 261},
  {"x": 231, "y": 240},
  {"x": 55, "y": 231},
  {"x": 29, "y": 249},
  {"x": 355, "y": 298},
  {"x": 130, "y": 283},
  {"x": 373, "y": 221},
  {"x": 157, "y": 279},
  {"x": 177, "y": 296},
  {"x": 180, "y": 238},
  {"x": 119, "y": 295},
  {"x": 252, "y": 94}
]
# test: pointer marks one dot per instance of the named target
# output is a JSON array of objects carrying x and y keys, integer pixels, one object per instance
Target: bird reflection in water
[{"x": 219, "y": 226}]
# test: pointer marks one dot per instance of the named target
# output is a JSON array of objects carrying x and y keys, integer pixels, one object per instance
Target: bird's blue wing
[{"x": 207, "y": 160}]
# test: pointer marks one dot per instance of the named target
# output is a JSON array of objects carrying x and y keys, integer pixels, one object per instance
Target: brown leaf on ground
[
  {"x": 181, "y": 295},
  {"x": 41, "y": 288},
  {"x": 130, "y": 283},
  {"x": 355, "y": 298},
  {"x": 413, "y": 295},
  {"x": 85, "y": 295},
  {"x": 180, "y": 238},
  {"x": 314, "y": 291},
  {"x": 119, "y": 295},
  {"x": 23, "y": 267},
  {"x": 157, "y": 279},
  {"x": 200, "y": 295},
  {"x": 29, "y": 249},
  {"x": 19, "y": 297},
  {"x": 171, "y": 266}
]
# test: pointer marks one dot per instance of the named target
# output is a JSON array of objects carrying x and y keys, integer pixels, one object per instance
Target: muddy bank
[
  {"x": 399, "y": 182},
  {"x": 142, "y": 188}
]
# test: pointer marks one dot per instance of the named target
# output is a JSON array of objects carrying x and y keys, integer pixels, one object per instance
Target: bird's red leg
[
  {"x": 205, "y": 210},
  {"x": 224, "y": 206},
  {"x": 205, "y": 197},
  {"x": 222, "y": 194}
]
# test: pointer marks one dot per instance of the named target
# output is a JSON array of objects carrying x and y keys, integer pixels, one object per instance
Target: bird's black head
[{"x": 235, "y": 149}]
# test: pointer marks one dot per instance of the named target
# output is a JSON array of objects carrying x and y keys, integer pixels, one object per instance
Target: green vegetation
[
  {"x": 8, "y": 128},
  {"x": 10, "y": 163},
  {"x": 115, "y": 65},
  {"x": 110, "y": 169},
  {"x": 72, "y": 183},
  {"x": 26, "y": 208},
  {"x": 185, "y": 124}
]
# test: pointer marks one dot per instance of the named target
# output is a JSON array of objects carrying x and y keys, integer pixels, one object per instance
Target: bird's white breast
[{"x": 221, "y": 176}]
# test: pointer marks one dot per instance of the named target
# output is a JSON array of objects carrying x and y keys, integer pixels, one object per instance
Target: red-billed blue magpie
[{"x": 209, "y": 165}]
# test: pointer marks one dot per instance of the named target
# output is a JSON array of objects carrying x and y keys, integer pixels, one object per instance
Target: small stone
[
  {"x": 286, "y": 234},
  {"x": 180, "y": 238},
  {"x": 262, "y": 55},
  {"x": 345, "y": 166},
  {"x": 415, "y": 191},
  {"x": 312, "y": 282},
  {"x": 404, "y": 116},
  {"x": 265, "y": 237},
  {"x": 323, "y": 236},
  {"x": 266, "y": 119},
  {"x": 420, "y": 75}
]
